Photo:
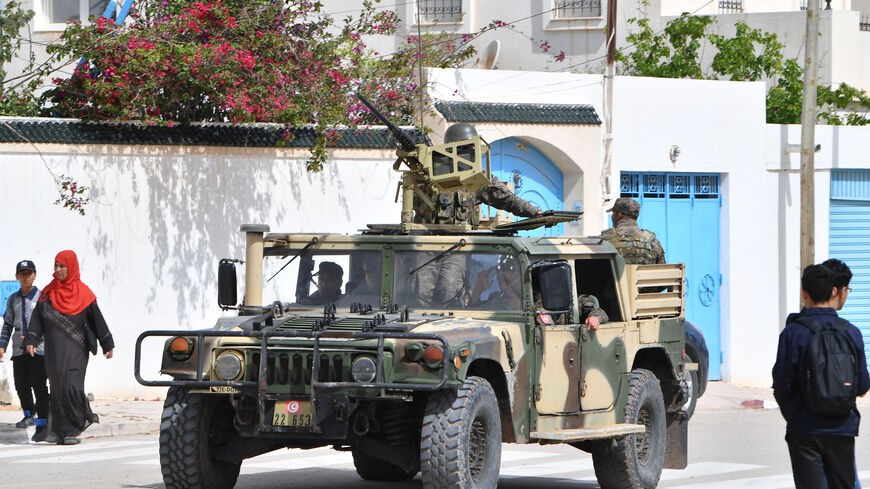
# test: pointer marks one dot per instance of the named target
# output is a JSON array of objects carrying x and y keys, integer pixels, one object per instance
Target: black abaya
[{"x": 68, "y": 339}]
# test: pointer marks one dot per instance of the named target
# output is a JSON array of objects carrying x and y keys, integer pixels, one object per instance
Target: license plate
[{"x": 292, "y": 413}]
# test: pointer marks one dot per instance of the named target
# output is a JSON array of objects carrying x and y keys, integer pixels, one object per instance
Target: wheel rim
[
  {"x": 643, "y": 441},
  {"x": 691, "y": 395},
  {"x": 478, "y": 446}
]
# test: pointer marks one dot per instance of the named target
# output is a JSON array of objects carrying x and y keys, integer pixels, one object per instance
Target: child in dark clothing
[{"x": 28, "y": 371}]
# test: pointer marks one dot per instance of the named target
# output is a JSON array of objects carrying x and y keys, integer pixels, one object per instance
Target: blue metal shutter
[{"x": 849, "y": 240}]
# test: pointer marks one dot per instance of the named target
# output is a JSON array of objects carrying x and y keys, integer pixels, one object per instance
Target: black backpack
[{"x": 829, "y": 369}]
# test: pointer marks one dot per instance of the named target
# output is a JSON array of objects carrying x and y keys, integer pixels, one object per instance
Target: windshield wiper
[
  {"x": 297, "y": 255},
  {"x": 439, "y": 256}
]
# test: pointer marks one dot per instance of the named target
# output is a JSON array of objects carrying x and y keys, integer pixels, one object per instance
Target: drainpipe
[{"x": 609, "y": 74}]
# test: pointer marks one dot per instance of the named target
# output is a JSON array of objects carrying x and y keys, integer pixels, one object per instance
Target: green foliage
[
  {"x": 71, "y": 194},
  {"x": 846, "y": 105},
  {"x": 673, "y": 54},
  {"x": 748, "y": 56},
  {"x": 784, "y": 98}
]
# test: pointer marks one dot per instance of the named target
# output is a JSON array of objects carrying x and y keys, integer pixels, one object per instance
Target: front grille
[{"x": 295, "y": 369}]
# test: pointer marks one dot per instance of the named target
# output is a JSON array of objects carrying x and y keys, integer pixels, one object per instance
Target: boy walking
[
  {"x": 28, "y": 371},
  {"x": 818, "y": 402}
]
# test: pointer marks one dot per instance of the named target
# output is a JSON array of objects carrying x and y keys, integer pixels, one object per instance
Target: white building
[{"x": 578, "y": 30}]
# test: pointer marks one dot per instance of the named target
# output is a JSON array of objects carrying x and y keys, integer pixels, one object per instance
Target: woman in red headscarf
[{"x": 68, "y": 317}]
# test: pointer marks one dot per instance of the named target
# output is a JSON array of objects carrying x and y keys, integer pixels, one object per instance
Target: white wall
[
  {"x": 160, "y": 220},
  {"x": 719, "y": 127},
  {"x": 676, "y": 7},
  {"x": 841, "y": 147}
]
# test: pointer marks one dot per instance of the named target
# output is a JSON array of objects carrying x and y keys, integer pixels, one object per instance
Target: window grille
[
  {"x": 670, "y": 185},
  {"x": 654, "y": 185},
  {"x": 441, "y": 10},
  {"x": 628, "y": 185},
  {"x": 730, "y": 6},
  {"x": 864, "y": 23},
  {"x": 578, "y": 8}
]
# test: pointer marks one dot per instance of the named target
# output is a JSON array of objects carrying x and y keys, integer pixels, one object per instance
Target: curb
[{"x": 9, "y": 434}]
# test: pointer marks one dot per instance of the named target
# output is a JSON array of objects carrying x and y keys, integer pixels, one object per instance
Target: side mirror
[
  {"x": 553, "y": 281},
  {"x": 227, "y": 284}
]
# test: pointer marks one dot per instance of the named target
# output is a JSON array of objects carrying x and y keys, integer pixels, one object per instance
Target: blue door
[
  {"x": 534, "y": 176},
  {"x": 683, "y": 210},
  {"x": 849, "y": 240}
]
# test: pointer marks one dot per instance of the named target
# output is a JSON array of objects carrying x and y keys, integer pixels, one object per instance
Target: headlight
[
  {"x": 363, "y": 370},
  {"x": 228, "y": 365}
]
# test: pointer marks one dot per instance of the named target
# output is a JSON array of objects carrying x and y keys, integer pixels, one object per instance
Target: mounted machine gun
[{"x": 439, "y": 182}]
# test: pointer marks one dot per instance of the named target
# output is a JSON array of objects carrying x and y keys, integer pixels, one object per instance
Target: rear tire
[
  {"x": 192, "y": 428},
  {"x": 375, "y": 469},
  {"x": 635, "y": 461},
  {"x": 460, "y": 445}
]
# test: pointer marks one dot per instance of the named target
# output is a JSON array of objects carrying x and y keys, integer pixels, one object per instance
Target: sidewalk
[
  {"x": 117, "y": 417},
  {"x": 141, "y": 416}
]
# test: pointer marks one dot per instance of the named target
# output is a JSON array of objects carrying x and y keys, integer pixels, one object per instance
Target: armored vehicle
[{"x": 421, "y": 347}]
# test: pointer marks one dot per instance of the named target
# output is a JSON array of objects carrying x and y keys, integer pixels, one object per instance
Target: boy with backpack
[{"x": 820, "y": 369}]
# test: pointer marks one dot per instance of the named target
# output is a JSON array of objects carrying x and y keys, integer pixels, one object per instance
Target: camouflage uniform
[
  {"x": 500, "y": 196},
  {"x": 637, "y": 246},
  {"x": 588, "y": 308},
  {"x": 440, "y": 283}
]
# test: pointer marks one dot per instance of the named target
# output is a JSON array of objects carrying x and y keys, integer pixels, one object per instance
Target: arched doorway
[{"x": 535, "y": 177}]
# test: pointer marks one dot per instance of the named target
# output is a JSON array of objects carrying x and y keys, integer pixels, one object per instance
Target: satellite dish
[{"x": 490, "y": 55}]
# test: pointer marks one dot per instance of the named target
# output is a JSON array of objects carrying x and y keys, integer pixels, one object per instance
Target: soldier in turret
[
  {"x": 637, "y": 246},
  {"x": 497, "y": 193}
]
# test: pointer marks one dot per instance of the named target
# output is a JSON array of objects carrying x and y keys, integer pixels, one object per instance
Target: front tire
[
  {"x": 635, "y": 461},
  {"x": 460, "y": 445},
  {"x": 193, "y": 428}
]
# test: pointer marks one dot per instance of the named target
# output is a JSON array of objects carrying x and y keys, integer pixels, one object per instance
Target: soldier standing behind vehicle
[{"x": 637, "y": 246}]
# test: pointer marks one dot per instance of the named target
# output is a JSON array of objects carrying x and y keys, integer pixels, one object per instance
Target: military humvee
[{"x": 444, "y": 339}]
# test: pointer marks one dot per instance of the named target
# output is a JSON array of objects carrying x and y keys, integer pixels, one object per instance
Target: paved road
[{"x": 729, "y": 450}]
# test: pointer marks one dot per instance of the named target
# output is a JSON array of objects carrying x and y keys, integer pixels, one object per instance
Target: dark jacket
[{"x": 787, "y": 381}]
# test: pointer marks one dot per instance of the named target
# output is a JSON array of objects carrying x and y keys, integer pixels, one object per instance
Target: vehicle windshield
[
  {"x": 316, "y": 279},
  {"x": 455, "y": 280}
]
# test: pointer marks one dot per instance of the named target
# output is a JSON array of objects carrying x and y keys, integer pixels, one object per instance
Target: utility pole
[
  {"x": 808, "y": 127},
  {"x": 609, "y": 74}
]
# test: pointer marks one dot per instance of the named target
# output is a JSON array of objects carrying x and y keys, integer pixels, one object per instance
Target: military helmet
[{"x": 459, "y": 132}]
